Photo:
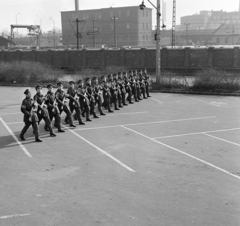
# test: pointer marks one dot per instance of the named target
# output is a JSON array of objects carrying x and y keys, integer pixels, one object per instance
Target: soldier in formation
[{"x": 112, "y": 93}]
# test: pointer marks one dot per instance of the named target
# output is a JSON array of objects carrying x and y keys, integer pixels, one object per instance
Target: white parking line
[
  {"x": 15, "y": 215},
  {"x": 16, "y": 139},
  {"x": 184, "y": 153},
  {"x": 131, "y": 113},
  {"x": 16, "y": 113},
  {"x": 230, "y": 142},
  {"x": 156, "y": 100},
  {"x": 102, "y": 151},
  {"x": 189, "y": 134},
  {"x": 10, "y": 106},
  {"x": 146, "y": 123},
  {"x": 215, "y": 104}
]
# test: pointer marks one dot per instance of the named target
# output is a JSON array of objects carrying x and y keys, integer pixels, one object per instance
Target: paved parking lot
[{"x": 170, "y": 160}]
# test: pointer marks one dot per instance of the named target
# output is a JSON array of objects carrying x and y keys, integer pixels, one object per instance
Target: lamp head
[{"x": 142, "y": 6}]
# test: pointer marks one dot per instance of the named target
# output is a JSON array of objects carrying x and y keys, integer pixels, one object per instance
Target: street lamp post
[
  {"x": 158, "y": 48},
  {"x": 115, "y": 31},
  {"x": 54, "y": 41},
  {"x": 16, "y": 21},
  {"x": 39, "y": 35},
  {"x": 187, "y": 24}
]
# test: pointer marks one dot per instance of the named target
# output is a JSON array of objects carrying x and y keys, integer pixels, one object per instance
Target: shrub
[
  {"x": 171, "y": 81},
  {"x": 25, "y": 72},
  {"x": 213, "y": 80}
]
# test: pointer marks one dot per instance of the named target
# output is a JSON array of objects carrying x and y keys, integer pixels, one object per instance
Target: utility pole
[
  {"x": 94, "y": 40},
  {"x": 187, "y": 24},
  {"x": 78, "y": 35},
  {"x": 115, "y": 31},
  {"x": 158, "y": 49},
  {"x": 157, "y": 38},
  {"x": 174, "y": 24},
  {"x": 233, "y": 31}
]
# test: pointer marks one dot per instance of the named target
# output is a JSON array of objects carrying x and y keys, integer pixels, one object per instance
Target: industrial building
[{"x": 123, "y": 26}]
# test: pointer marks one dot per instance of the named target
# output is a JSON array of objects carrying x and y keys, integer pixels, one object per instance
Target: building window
[
  {"x": 226, "y": 40},
  {"x": 147, "y": 26},
  {"x": 119, "y": 13},
  {"x": 218, "y": 40},
  {"x": 128, "y": 12},
  {"x": 143, "y": 37},
  {"x": 87, "y": 16},
  {"x": 143, "y": 12},
  {"x": 111, "y": 14},
  {"x": 147, "y": 37},
  {"x": 83, "y": 15},
  {"x": 146, "y": 13},
  {"x": 128, "y": 25},
  {"x": 143, "y": 26}
]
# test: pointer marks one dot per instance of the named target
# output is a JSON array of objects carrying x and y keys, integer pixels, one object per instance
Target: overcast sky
[{"x": 25, "y": 11}]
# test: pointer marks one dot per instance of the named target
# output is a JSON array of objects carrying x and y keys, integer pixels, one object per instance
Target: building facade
[{"x": 96, "y": 27}]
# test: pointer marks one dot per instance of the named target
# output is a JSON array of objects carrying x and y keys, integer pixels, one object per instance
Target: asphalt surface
[{"x": 170, "y": 160}]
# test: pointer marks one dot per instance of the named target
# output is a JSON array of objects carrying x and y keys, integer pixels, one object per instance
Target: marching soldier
[
  {"x": 127, "y": 87},
  {"x": 29, "y": 109},
  {"x": 133, "y": 86},
  {"x": 118, "y": 90},
  {"x": 98, "y": 91},
  {"x": 106, "y": 94},
  {"x": 52, "y": 106},
  {"x": 42, "y": 111},
  {"x": 142, "y": 85},
  {"x": 74, "y": 103},
  {"x": 138, "y": 91},
  {"x": 147, "y": 82},
  {"x": 122, "y": 88},
  {"x": 83, "y": 100},
  {"x": 113, "y": 91},
  {"x": 90, "y": 95},
  {"x": 61, "y": 97}
]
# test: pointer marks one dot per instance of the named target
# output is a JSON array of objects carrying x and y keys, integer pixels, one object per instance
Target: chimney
[{"x": 76, "y": 5}]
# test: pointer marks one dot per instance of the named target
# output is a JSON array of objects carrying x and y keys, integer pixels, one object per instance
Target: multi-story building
[{"x": 96, "y": 27}]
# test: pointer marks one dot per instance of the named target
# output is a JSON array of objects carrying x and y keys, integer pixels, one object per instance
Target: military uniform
[
  {"x": 98, "y": 94},
  {"x": 29, "y": 109},
  {"x": 113, "y": 91},
  {"x": 147, "y": 82},
  {"x": 84, "y": 101},
  {"x": 53, "y": 110},
  {"x": 61, "y": 99},
  {"x": 106, "y": 94},
  {"x": 74, "y": 103},
  {"x": 90, "y": 94},
  {"x": 42, "y": 111},
  {"x": 127, "y": 88}
]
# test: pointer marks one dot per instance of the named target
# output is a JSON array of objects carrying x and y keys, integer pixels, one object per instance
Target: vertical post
[
  {"x": 77, "y": 34},
  {"x": 158, "y": 53},
  {"x": 94, "y": 41},
  {"x": 115, "y": 32},
  {"x": 187, "y": 24}
]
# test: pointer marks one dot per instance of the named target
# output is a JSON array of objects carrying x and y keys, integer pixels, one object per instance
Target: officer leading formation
[{"x": 81, "y": 99}]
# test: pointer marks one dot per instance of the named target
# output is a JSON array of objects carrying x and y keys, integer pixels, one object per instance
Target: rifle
[{"x": 33, "y": 109}]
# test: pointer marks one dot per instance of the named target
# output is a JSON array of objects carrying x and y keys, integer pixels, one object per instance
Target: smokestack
[{"x": 76, "y": 5}]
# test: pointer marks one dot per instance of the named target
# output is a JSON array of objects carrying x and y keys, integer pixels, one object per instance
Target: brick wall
[{"x": 141, "y": 58}]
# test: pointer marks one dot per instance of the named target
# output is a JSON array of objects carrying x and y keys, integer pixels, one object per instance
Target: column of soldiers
[{"x": 112, "y": 93}]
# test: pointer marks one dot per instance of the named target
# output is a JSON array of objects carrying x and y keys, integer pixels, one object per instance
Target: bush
[
  {"x": 27, "y": 72},
  {"x": 92, "y": 73},
  {"x": 171, "y": 81},
  {"x": 213, "y": 80}
]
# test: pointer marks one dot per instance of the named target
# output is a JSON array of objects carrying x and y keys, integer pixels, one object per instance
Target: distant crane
[{"x": 174, "y": 24}]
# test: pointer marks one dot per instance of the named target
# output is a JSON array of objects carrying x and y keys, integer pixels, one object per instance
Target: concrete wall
[{"x": 141, "y": 58}]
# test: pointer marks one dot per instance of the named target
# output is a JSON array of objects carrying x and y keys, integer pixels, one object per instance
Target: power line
[{"x": 30, "y": 4}]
